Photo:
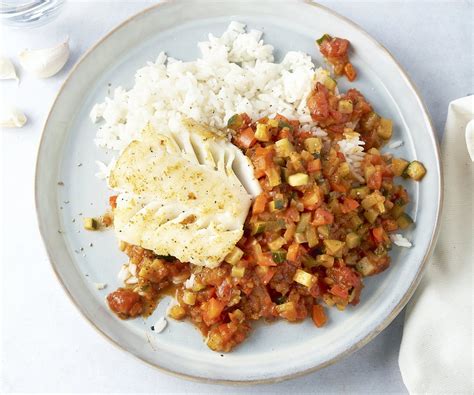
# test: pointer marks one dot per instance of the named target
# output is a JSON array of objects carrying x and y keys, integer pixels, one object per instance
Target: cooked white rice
[
  {"x": 236, "y": 73},
  {"x": 353, "y": 149}
]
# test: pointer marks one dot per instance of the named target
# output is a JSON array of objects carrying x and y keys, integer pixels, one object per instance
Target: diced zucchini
[
  {"x": 415, "y": 170},
  {"x": 352, "y": 240},
  {"x": 177, "y": 312},
  {"x": 371, "y": 215},
  {"x": 273, "y": 123},
  {"x": 397, "y": 210},
  {"x": 311, "y": 236},
  {"x": 288, "y": 308},
  {"x": 384, "y": 130},
  {"x": 285, "y": 125},
  {"x": 323, "y": 230},
  {"x": 284, "y": 148},
  {"x": 276, "y": 244},
  {"x": 234, "y": 256},
  {"x": 325, "y": 260},
  {"x": 309, "y": 261},
  {"x": 90, "y": 223},
  {"x": 372, "y": 199},
  {"x": 277, "y": 204},
  {"x": 235, "y": 122},
  {"x": 274, "y": 178},
  {"x": 304, "y": 278},
  {"x": 237, "y": 271},
  {"x": 329, "y": 83},
  {"x": 300, "y": 238},
  {"x": 298, "y": 179},
  {"x": 404, "y": 221},
  {"x": 334, "y": 247},
  {"x": 262, "y": 133},
  {"x": 274, "y": 226},
  {"x": 359, "y": 193},
  {"x": 345, "y": 107},
  {"x": 189, "y": 298},
  {"x": 370, "y": 121},
  {"x": 365, "y": 267},
  {"x": 380, "y": 207},
  {"x": 373, "y": 151},
  {"x": 304, "y": 221},
  {"x": 356, "y": 221},
  {"x": 279, "y": 256},
  {"x": 258, "y": 227},
  {"x": 369, "y": 172},
  {"x": 344, "y": 170},
  {"x": 313, "y": 145},
  {"x": 323, "y": 38},
  {"x": 399, "y": 166}
]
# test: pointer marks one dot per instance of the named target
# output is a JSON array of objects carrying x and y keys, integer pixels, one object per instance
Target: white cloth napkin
[{"x": 436, "y": 350}]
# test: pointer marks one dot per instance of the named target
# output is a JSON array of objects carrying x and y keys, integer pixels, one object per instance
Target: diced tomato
[
  {"x": 211, "y": 310},
  {"x": 338, "y": 187},
  {"x": 319, "y": 315},
  {"x": 350, "y": 72},
  {"x": 318, "y": 104},
  {"x": 245, "y": 139},
  {"x": 375, "y": 180},
  {"x": 390, "y": 225},
  {"x": 113, "y": 201},
  {"x": 259, "y": 204},
  {"x": 322, "y": 217},
  {"x": 293, "y": 251},
  {"x": 339, "y": 291},
  {"x": 267, "y": 274},
  {"x": 349, "y": 205},
  {"x": 314, "y": 165},
  {"x": 292, "y": 214}
]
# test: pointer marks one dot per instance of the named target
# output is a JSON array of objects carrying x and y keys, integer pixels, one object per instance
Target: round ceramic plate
[{"x": 67, "y": 153}]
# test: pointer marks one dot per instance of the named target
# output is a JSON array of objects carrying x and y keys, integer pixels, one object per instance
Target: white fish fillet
[{"x": 181, "y": 194}]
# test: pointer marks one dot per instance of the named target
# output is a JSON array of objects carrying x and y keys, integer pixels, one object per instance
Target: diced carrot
[
  {"x": 259, "y": 204},
  {"x": 319, "y": 315},
  {"x": 378, "y": 234},
  {"x": 350, "y": 72},
  {"x": 314, "y": 165},
  {"x": 113, "y": 201}
]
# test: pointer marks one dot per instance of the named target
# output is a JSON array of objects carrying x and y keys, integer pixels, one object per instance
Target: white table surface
[{"x": 46, "y": 346}]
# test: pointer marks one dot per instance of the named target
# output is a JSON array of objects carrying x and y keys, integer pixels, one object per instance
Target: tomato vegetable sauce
[{"x": 316, "y": 230}]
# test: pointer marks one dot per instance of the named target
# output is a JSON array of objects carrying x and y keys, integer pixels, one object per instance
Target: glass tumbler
[{"x": 28, "y": 13}]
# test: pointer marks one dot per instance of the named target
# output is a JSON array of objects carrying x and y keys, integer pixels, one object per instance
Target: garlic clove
[
  {"x": 11, "y": 117},
  {"x": 44, "y": 63},
  {"x": 7, "y": 70},
  {"x": 470, "y": 139}
]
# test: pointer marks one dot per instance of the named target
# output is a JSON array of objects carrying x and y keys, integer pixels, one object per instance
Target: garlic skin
[
  {"x": 11, "y": 117},
  {"x": 7, "y": 70},
  {"x": 44, "y": 63}
]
